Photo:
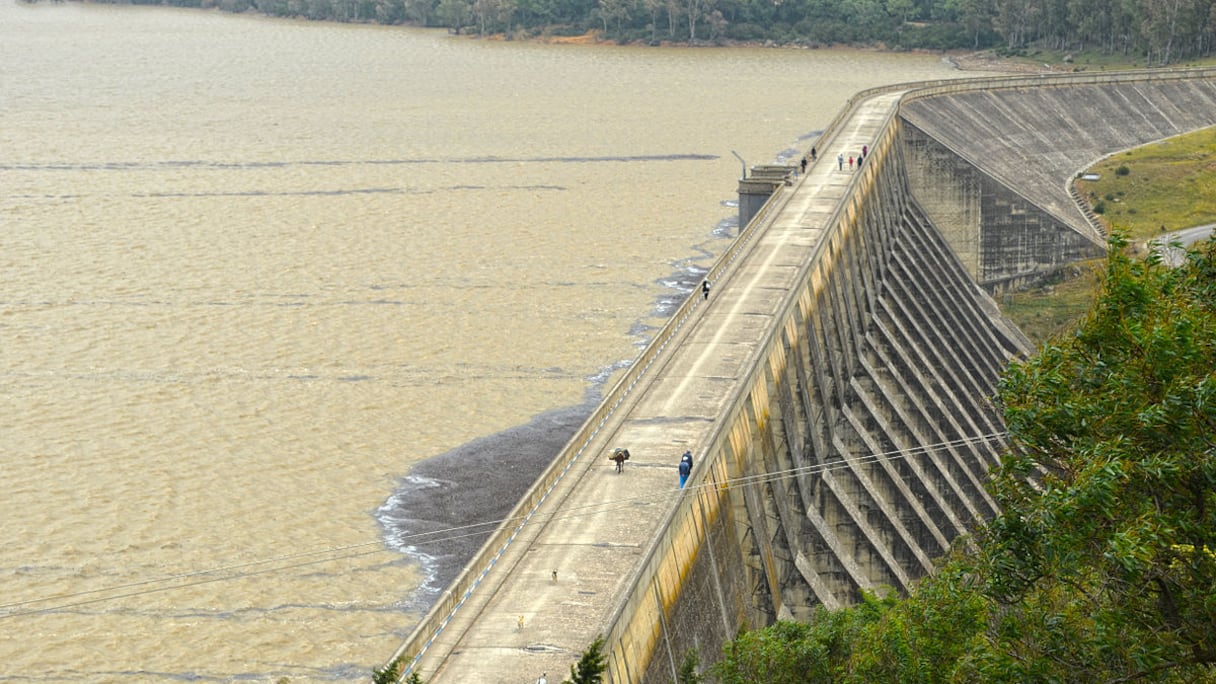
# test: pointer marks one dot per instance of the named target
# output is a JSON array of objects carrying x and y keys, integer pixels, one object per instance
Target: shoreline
[
  {"x": 446, "y": 506},
  {"x": 963, "y": 60}
]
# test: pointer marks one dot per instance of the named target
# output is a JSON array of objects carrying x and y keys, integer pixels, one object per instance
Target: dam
[{"x": 835, "y": 387}]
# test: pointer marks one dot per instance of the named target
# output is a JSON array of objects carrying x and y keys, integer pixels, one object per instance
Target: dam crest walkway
[{"x": 821, "y": 369}]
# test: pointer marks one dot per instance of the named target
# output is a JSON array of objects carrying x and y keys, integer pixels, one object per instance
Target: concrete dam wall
[
  {"x": 837, "y": 389},
  {"x": 860, "y": 448},
  {"x": 993, "y": 167}
]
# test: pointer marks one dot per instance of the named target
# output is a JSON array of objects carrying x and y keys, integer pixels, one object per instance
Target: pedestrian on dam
[
  {"x": 705, "y": 288},
  {"x": 850, "y": 162},
  {"x": 685, "y": 467},
  {"x": 813, "y": 155},
  {"x": 860, "y": 159},
  {"x": 619, "y": 456},
  {"x": 804, "y": 164},
  {"x": 840, "y": 161},
  {"x": 865, "y": 149}
]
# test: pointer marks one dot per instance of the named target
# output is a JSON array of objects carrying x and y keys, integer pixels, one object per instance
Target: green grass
[
  {"x": 1056, "y": 307},
  {"x": 1168, "y": 185},
  {"x": 1087, "y": 60}
]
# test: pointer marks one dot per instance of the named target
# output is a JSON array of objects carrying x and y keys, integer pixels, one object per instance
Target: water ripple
[{"x": 257, "y": 165}]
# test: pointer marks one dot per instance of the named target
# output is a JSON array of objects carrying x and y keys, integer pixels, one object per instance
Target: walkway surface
[{"x": 556, "y": 586}]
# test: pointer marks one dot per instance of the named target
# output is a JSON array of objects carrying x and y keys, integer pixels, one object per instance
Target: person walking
[
  {"x": 705, "y": 288},
  {"x": 620, "y": 456},
  {"x": 840, "y": 161},
  {"x": 685, "y": 467}
]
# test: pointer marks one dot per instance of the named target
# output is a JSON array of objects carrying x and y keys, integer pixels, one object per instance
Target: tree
[
  {"x": 590, "y": 667},
  {"x": 716, "y": 23},
  {"x": 694, "y": 10},
  {"x": 688, "y": 669},
  {"x": 1103, "y": 560},
  {"x": 454, "y": 14},
  {"x": 1016, "y": 20},
  {"x": 418, "y": 11},
  {"x": 493, "y": 14},
  {"x": 653, "y": 7},
  {"x": 977, "y": 18},
  {"x": 614, "y": 11},
  {"x": 1174, "y": 28},
  {"x": 389, "y": 673},
  {"x": 673, "y": 11},
  {"x": 901, "y": 9}
]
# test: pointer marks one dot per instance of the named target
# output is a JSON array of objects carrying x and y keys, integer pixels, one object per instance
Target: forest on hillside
[{"x": 1148, "y": 32}]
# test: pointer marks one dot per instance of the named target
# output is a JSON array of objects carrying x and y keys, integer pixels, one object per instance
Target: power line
[{"x": 450, "y": 534}]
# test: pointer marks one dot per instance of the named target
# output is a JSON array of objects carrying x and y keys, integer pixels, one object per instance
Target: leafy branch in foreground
[
  {"x": 1111, "y": 544},
  {"x": 591, "y": 666}
]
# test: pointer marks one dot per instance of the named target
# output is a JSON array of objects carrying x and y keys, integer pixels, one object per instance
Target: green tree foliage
[
  {"x": 389, "y": 673},
  {"x": 1110, "y": 498},
  {"x": 1102, "y": 566},
  {"x": 1155, "y": 31},
  {"x": 590, "y": 667},
  {"x": 793, "y": 653},
  {"x": 921, "y": 638},
  {"x": 690, "y": 669}
]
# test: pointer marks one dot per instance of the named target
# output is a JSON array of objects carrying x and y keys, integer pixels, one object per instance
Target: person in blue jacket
[{"x": 685, "y": 467}]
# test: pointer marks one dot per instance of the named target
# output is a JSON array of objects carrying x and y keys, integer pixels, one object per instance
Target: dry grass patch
[{"x": 1056, "y": 307}]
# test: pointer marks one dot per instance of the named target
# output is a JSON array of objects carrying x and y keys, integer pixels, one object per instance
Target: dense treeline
[
  {"x": 1152, "y": 32},
  {"x": 1102, "y": 565}
]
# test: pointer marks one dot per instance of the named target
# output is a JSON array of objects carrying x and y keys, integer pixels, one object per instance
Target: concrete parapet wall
[
  {"x": 858, "y": 449},
  {"x": 444, "y": 612},
  {"x": 854, "y": 454},
  {"x": 850, "y": 432}
]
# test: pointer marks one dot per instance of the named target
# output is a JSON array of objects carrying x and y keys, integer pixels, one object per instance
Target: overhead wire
[{"x": 449, "y": 534}]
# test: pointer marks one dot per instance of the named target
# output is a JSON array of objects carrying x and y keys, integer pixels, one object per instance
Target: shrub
[
  {"x": 591, "y": 666},
  {"x": 390, "y": 672}
]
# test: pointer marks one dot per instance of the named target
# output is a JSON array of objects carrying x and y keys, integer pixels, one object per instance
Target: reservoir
[{"x": 253, "y": 271}]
